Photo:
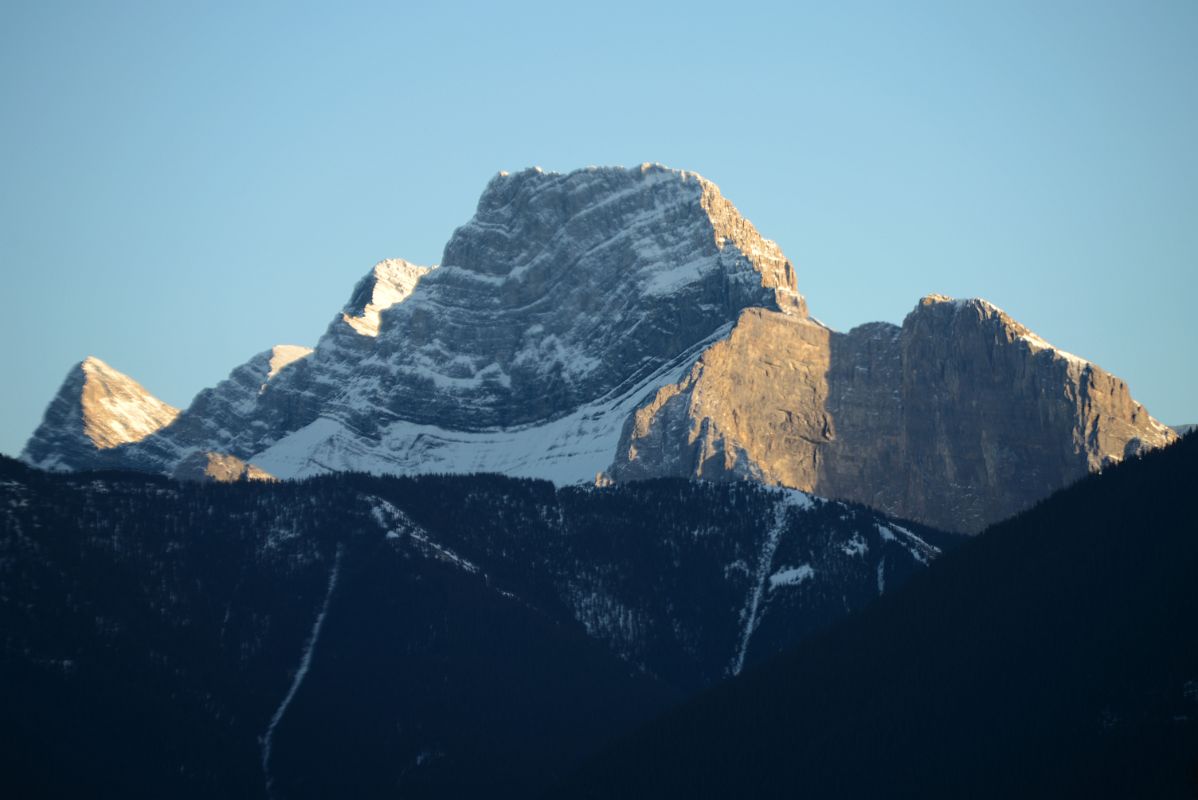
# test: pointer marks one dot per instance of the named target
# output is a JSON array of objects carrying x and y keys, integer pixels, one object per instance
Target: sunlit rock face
[
  {"x": 390, "y": 282},
  {"x": 562, "y": 289},
  {"x": 753, "y": 406},
  {"x": 556, "y": 307},
  {"x": 994, "y": 417},
  {"x": 215, "y": 421},
  {"x": 958, "y": 418},
  {"x": 218, "y": 467},
  {"x": 97, "y": 408},
  {"x": 274, "y": 392},
  {"x": 616, "y": 323}
]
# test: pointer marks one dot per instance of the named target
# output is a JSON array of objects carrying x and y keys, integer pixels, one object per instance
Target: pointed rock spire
[{"x": 96, "y": 408}]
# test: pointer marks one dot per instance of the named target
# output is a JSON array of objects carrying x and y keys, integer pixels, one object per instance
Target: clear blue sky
[{"x": 186, "y": 184}]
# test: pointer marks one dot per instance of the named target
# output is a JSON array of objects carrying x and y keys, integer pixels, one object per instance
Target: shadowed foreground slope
[
  {"x": 351, "y": 636},
  {"x": 1056, "y": 655}
]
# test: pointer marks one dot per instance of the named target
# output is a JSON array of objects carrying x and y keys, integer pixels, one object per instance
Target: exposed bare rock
[
  {"x": 556, "y": 308},
  {"x": 214, "y": 422},
  {"x": 630, "y": 323},
  {"x": 753, "y": 406},
  {"x": 560, "y": 290},
  {"x": 218, "y": 467},
  {"x": 958, "y": 419},
  {"x": 994, "y": 418},
  {"x": 97, "y": 408},
  {"x": 730, "y": 227}
]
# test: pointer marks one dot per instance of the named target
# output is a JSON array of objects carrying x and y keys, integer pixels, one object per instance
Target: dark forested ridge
[
  {"x": 1054, "y": 656},
  {"x": 363, "y": 636}
]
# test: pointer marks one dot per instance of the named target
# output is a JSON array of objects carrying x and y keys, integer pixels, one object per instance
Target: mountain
[
  {"x": 436, "y": 636},
  {"x": 96, "y": 409},
  {"x": 1182, "y": 430},
  {"x": 624, "y": 323},
  {"x": 202, "y": 438},
  {"x": 958, "y": 418},
  {"x": 1052, "y": 656}
]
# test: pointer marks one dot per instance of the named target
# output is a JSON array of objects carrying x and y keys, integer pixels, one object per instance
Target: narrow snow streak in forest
[
  {"x": 300, "y": 674},
  {"x": 381, "y": 510},
  {"x": 764, "y": 563}
]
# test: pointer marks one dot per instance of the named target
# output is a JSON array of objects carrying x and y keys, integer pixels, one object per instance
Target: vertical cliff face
[
  {"x": 959, "y": 418},
  {"x": 273, "y": 393},
  {"x": 96, "y": 409},
  {"x": 213, "y": 425},
  {"x": 753, "y": 406},
  {"x": 299, "y": 395},
  {"x": 563, "y": 289},
  {"x": 631, "y": 322},
  {"x": 555, "y": 307},
  {"x": 994, "y": 417},
  {"x": 866, "y": 458}
]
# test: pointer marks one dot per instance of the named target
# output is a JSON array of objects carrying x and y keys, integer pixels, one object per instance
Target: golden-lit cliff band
[{"x": 631, "y": 323}]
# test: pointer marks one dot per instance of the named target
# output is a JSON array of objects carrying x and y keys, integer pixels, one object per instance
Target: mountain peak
[
  {"x": 92, "y": 363},
  {"x": 632, "y": 322},
  {"x": 282, "y": 355},
  {"x": 388, "y": 283},
  {"x": 117, "y": 409},
  {"x": 1011, "y": 329},
  {"x": 958, "y": 303},
  {"x": 96, "y": 408},
  {"x": 637, "y": 206}
]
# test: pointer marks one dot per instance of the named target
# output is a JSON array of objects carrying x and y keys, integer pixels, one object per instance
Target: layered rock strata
[
  {"x": 96, "y": 409},
  {"x": 630, "y": 323},
  {"x": 958, "y": 418}
]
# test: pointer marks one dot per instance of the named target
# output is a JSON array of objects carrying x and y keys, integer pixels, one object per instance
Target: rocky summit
[
  {"x": 958, "y": 418},
  {"x": 620, "y": 324},
  {"x": 96, "y": 409}
]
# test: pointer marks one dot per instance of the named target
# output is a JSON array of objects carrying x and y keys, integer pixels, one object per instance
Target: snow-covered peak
[
  {"x": 573, "y": 307},
  {"x": 960, "y": 303},
  {"x": 96, "y": 408},
  {"x": 117, "y": 409},
  {"x": 663, "y": 194},
  {"x": 282, "y": 355},
  {"x": 390, "y": 282}
]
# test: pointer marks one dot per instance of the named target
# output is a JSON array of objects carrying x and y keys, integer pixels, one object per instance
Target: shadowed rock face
[
  {"x": 959, "y": 418},
  {"x": 631, "y": 322},
  {"x": 209, "y": 428},
  {"x": 563, "y": 295},
  {"x": 274, "y": 392},
  {"x": 994, "y": 418},
  {"x": 564, "y": 288}
]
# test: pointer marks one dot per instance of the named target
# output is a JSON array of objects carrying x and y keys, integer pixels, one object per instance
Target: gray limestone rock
[
  {"x": 957, "y": 419},
  {"x": 616, "y": 323},
  {"x": 96, "y": 409}
]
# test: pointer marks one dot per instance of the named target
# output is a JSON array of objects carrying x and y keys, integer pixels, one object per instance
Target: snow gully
[{"x": 300, "y": 673}]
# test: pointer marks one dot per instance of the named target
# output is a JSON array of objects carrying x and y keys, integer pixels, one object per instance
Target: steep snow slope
[
  {"x": 631, "y": 322},
  {"x": 561, "y": 304}
]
